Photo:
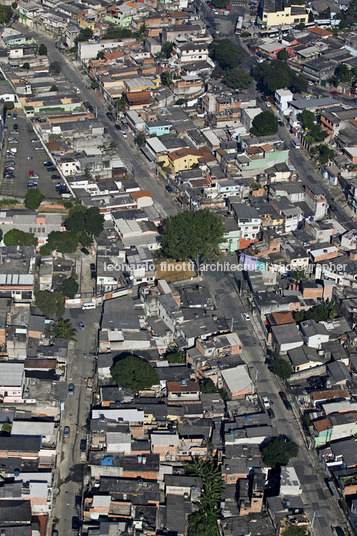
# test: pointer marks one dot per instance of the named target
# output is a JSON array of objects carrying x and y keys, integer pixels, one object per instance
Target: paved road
[
  {"x": 27, "y": 158},
  {"x": 135, "y": 161},
  {"x": 320, "y": 507},
  {"x": 70, "y": 469}
]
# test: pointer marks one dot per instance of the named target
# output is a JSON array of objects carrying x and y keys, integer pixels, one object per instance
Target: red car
[
  {"x": 334, "y": 92},
  {"x": 293, "y": 130},
  {"x": 31, "y": 172}
]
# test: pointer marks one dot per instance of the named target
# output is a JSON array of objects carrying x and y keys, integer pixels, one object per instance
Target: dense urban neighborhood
[{"x": 178, "y": 268}]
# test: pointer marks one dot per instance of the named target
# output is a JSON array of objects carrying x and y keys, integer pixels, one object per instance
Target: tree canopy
[
  {"x": 307, "y": 119},
  {"x": 33, "y": 199},
  {"x": 63, "y": 242},
  {"x": 134, "y": 373},
  {"x": 84, "y": 35},
  {"x": 16, "y": 237},
  {"x": 42, "y": 50},
  {"x": 320, "y": 313},
  {"x": 208, "y": 386},
  {"x": 220, "y": 4},
  {"x": 193, "y": 236},
  {"x": 82, "y": 219},
  {"x": 5, "y": 14},
  {"x": 50, "y": 303},
  {"x": 277, "y": 75},
  {"x": 280, "y": 367},
  {"x": 55, "y": 67},
  {"x": 166, "y": 78},
  {"x": 115, "y": 32},
  {"x": 69, "y": 287},
  {"x": 264, "y": 124},
  {"x": 294, "y": 530},
  {"x": 225, "y": 53},
  {"x": 279, "y": 451},
  {"x": 237, "y": 78},
  {"x": 283, "y": 54},
  {"x": 63, "y": 329}
]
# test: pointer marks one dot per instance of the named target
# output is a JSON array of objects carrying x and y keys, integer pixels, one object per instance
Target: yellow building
[
  {"x": 281, "y": 13},
  {"x": 181, "y": 159}
]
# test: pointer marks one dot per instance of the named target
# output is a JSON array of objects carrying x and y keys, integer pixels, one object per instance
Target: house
[
  {"x": 11, "y": 382},
  {"x": 237, "y": 382},
  {"x": 286, "y": 337},
  {"x": 303, "y": 358},
  {"x": 282, "y": 99},
  {"x": 182, "y": 392},
  {"x": 314, "y": 333},
  {"x": 249, "y": 223},
  {"x": 334, "y": 427}
]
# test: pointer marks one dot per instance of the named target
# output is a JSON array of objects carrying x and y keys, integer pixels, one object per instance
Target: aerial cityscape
[{"x": 178, "y": 268}]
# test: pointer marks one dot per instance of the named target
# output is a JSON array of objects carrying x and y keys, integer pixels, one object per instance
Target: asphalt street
[
  {"x": 70, "y": 469},
  {"x": 320, "y": 506},
  {"x": 133, "y": 158}
]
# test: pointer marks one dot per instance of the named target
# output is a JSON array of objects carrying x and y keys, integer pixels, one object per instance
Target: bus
[
  {"x": 239, "y": 25},
  {"x": 295, "y": 143}
]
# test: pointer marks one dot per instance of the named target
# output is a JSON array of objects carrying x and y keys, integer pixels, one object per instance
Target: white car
[
  {"x": 246, "y": 316},
  {"x": 38, "y": 148},
  {"x": 123, "y": 134},
  {"x": 268, "y": 104},
  {"x": 266, "y": 402}
]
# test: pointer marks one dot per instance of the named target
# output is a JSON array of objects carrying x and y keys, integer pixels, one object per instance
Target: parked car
[
  {"x": 71, "y": 389},
  {"x": 16, "y": 126},
  {"x": 246, "y": 316},
  {"x": 271, "y": 413},
  {"x": 265, "y": 401},
  {"x": 92, "y": 266},
  {"x": 14, "y": 115},
  {"x": 34, "y": 140},
  {"x": 47, "y": 163},
  {"x": 35, "y": 176},
  {"x": 55, "y": 177},
  {"x": 285, "y": 400},
  {"x": 51, "y": 169},
  {"x": 334, "y": 92},
  {"x": 10, "y": 163},
  {"x": 83, "y": 445},
  {"x": 81, "y": 325},
  {"x": 85, "y": 251},
  {"x": 168, "y": 189},
  {"x": 32, "y": 185},
  {"x": 123, "y": 134},
  {"x": 118, "y": 127},
  {"x": 38, "y": 148},
  {"x": 75, "y": 523},
  {"x": 93, "y": 275},
  {"x": 55, "y": 533},
  {"x": 66, "y": 431}
]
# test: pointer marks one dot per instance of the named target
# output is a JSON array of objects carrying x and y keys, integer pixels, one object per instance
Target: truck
[
  {"x": 239, "y": 25},
  {"x": 89, "y": 383}
]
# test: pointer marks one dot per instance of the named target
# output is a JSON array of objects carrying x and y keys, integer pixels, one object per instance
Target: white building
[
  {"x": 248, "y": 220},
  {"x": 282, "y": 99},
  {"x": 191, "y": 52},
  {"x": 314, "y": 333},
  {"x": 289, "y": 482}
]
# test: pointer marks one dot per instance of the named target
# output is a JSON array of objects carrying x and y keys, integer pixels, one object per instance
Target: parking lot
[{"x": 26, "y": 158}]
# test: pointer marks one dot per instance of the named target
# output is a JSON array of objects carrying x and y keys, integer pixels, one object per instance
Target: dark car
[
  {"x": 285, "y": 400},
  {"x": 51, "y": 169},
  {"x": 16, "y": 126},
  {"x": 75, "y": 523},
  {"x": 271, "y": 413},
  {"x": 90, "y": 109},
  {"x": 316, "y": 382},
  {"x": 338, "y": 531},
  {"x": 93, "y": 274},
  {"x": 92, "y": 266},
  {"x": 47, "y": 163},
  {"x": 83, "y": 445},
  {"x": 85, "y": 251},
  {"x": 78, "y": 501},
  {"x": 55, "y": 177},
  {"x": 110, "y": 116},
  {"x": 168, "y": 189},
  {"x": 118, "y": 127},
  {"x": 55, "y": 533},
  {"x": 71, "y": 389}
]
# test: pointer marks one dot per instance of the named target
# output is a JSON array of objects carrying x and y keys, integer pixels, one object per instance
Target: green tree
[
  {"x": 120, "y": 104},
  {"x": 69, "y": 287},
  {"x": 8, "y": 105},
  {"x": 85, "y": 239},
  {"x": 279, "y": 451},
  {"x": 42, "y": 50},
  {"x": 294, "y": 530},
  {"x": 264, "y": 124},
  {"x": 134, "y": 373},
  {"x": 5, "y": 14},
  {"x": 26, "y": 65},
  {"x": 193, "y": 236},
  {"x": 280, "y": 367},
  {"x": 277, "y": 75},
  {"x": 115, "y": 32},
  {"x": 208, "y": 386},
  {"x": 325, "y": 154},
  {"x": 166, "y": 78},
  {"x": 63, "y": 242},
  {"x": 33, "y": 199},
  {"x": 167, "y": 49},
  {"x": 50, "y": 303},
  {"x": 297, "y": 276},
  {"x": 63, "y": 329},
  {"x": 94, "y": 221},
  {"x": 225, "y": 53},
  {"x": 101, "y": 55},
  {"x": 84, "y": 35},
  {"x": 6, "y": 428},
  {"x": 300, "y": 26},
  {"x": 307, "y": 119},
  {"x": 94, "y": 85},
  {"x": 237, "y": 78},
  {"x": 76, "y": 222},
  {"x": 343, "y": 73},
  {"x": 140, "y": 139},
  {"x": 54, "y": 88},
  {"x": 1, "y": 235},
  {"x": 15, "y": 237},
  {"x": 175, "y": 356},
  {"x": 283, "y": 55},
  {"x": 220, "y": 4},
  {"x": 55, "y": 67}
]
